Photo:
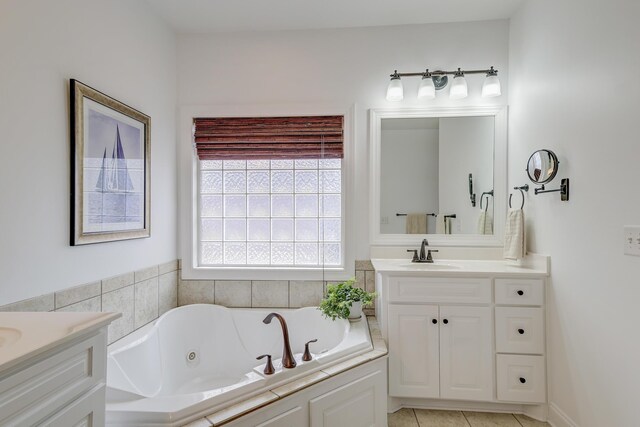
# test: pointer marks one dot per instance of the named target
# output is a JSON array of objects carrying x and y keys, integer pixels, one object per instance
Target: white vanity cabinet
[
  {"x": 440, "y": 350},
  {"x": 476, "y": 335},
  {"x": 54, "y": 373}
]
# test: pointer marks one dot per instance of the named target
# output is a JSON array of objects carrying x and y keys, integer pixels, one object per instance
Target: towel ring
[
  {"x": 522, "y": 189},
  {"x": 486, "y": 193}
]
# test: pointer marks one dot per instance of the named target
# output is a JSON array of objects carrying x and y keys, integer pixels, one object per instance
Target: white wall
[
  {"x": 336, "y": 66},
  {"x": 119, "y": 48},
  {"x": 408, "y": 176},
  {"x": 466, "y": 146},
  {"x": 574, "y": 68}
]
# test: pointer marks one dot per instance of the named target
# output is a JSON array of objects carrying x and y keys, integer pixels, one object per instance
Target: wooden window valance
[{"x": 253, "y": 138}]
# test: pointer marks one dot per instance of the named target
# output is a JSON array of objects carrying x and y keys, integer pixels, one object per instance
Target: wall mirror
[
  {"x": 542, "y": 166},
  {"x": 438, "y": 174}
]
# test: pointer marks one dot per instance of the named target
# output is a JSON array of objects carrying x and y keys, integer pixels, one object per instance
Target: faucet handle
[
  {"x": 429, "y": 257},
  {"x": 415, "y": 255},
  {"x": 268, "y": 368},
  {"x": 307, "y": 354}
]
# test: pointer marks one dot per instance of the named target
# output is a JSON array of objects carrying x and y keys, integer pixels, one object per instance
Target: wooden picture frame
[{"x": 110, "y": 168}]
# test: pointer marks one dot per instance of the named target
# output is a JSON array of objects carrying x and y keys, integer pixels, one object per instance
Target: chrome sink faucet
[
  {"x": 424, "y": 257},
  {"x": 288, "y": 361}
]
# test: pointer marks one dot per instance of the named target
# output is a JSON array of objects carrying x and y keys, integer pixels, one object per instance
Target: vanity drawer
[
  {"x": 519, "y": 330},
  {"x": 521, "y": 378},
  {"x": 520, "y": 291},
  {"x": 53, "y": 382},
  {"x": 439, "y": 290}
]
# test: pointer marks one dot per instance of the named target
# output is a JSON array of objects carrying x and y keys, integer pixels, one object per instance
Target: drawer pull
[
  {"x": 522, "y": 380},
  {"x": 445, "y": 321},
  {"x": 520, "y": 292},
  {"x": 521, "y": 331},
  {"x": 434, "y": 321}
]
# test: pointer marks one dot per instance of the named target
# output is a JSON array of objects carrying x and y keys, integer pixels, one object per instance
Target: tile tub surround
[
  {"x": 141, "y": 296},
  {"x": 244, "y": 407},
  {"x": 268, "y": 293}
]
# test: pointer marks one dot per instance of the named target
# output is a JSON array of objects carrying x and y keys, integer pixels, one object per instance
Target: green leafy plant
[{"x": 337, "y": 303}]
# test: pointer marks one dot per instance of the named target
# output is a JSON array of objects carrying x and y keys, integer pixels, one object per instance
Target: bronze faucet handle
[
  {"x": 307, "y": 354},
  {"x": 268, "y": 368}
]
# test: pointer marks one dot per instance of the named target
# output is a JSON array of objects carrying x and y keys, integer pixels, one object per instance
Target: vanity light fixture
[
  {"x": 458, "y": 86},
  {"x": 427, "y": 88},
  {"x": 491, "y": 85},
  {"x": 433, "y": 81},
  {"x": 395, "y": 92}
]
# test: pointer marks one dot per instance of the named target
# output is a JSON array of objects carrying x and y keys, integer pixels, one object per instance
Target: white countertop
[
  {"x": 532, "y": 267},
  {"x": 25, "y": 334}
]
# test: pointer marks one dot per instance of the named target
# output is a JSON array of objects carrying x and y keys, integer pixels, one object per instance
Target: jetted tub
[{"x": 197, "y": 359}]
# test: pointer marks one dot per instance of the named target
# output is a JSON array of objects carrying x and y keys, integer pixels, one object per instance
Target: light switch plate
[{"x": 632, "y": 240}]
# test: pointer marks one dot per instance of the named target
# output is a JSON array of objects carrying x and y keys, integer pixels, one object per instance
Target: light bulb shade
[
  {"x": 491, "y": 86},
  {"x": 458, "y": 88},
  {"x": 395, "y": 92},
  {"x": 426, "y": 90}
]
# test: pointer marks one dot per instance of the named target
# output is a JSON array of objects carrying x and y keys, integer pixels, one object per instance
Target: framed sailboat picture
[{"x": 110, "y": 168}]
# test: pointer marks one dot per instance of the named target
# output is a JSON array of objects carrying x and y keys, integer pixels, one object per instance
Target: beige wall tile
[
  {"x": 487, "y": 419},
  {"x": 360, "y": 279},
  {"x": 431, "y": 418},
  {"x": 364, "y": 265},
  {"x": 117, "y": 282},
  {"x": 233, "y": 293},
  {"x": 370, "y": 281},
  {"x": 146, "y": 273},
  {"x": 91, "y": 304},
  {"x": 120, "y": 301},
  {"x": 168, "y": 267},
  {"x": 146, "y": 305},
  {"x": 40, "y": 303},
  {"x": 167, "y": 292},
  {"x": 77, "y": 294},
  {"x": 270, "y": 293},
  {"x": 196, "y": 292},
  {"x": 305, "y": 293}
]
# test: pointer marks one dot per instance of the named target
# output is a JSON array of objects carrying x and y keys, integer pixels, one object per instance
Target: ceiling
[{"x": 211, "y": 16}]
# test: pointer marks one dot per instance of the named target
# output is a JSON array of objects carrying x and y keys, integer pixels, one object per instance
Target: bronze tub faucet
[{"x": 288, "y": 360}]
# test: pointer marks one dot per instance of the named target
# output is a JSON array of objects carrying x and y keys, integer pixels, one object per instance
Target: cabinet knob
[
  {"x": 522, "y": 380},
  {"x": 445, "y": 321},
  {"x": 521, "y": 331},
  {"x": 434, "y": 321},
  {"x": 520, "y": 292}
]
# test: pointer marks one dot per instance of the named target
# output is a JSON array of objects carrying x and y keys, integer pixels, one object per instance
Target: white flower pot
[{"x": 356, "y": 310}]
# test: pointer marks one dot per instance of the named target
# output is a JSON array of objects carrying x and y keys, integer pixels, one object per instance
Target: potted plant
[{"x": 345, "y": 301}]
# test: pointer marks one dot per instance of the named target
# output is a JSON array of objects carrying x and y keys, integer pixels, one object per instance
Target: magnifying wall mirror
[{"x": 542, "y": 166}]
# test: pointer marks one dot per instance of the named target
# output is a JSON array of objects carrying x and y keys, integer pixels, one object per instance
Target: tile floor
[{"x": 431, "y": 418}]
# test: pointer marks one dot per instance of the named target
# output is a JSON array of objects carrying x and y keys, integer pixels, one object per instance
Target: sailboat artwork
[
  {"x": 110, "y": 147},
  {"x": 114, "y": 176}
]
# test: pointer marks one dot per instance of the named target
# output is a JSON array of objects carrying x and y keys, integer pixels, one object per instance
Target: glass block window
[{"x": 263, "y": 213}]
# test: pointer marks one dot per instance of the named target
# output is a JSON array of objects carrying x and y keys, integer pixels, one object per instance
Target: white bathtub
[{"x": 199, "y": 358}]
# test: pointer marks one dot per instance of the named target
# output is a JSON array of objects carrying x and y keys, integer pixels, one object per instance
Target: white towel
[
  {"x": 416, "y": 223},
  {"x": 485, "y": 223},
  {"x": 443, "y": 224},
  {"x": 514, "y": 235}
]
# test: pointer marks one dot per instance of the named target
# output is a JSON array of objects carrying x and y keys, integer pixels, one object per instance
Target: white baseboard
[{"x": 557, "y": 417}]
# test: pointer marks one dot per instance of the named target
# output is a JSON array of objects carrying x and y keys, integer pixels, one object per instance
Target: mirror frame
[{"x": 499, "y": 177}]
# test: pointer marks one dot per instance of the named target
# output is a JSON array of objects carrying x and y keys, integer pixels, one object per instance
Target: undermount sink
[
  {"x": 430, "y": 266},
  {"x": 8, "y": 336}
]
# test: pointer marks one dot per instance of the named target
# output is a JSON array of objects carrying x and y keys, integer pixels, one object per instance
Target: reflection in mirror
[
  {"x": 426, "y": 165},
  {"x": 542, "y": 166}
]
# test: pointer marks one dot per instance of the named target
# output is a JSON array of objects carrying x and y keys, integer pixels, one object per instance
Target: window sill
[{"x": 259, "y": 273}]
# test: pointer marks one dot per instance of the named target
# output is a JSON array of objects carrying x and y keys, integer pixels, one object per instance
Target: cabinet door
[
  {"x": 466, "y": 353},
  {"x": 359, "y": 404},
  {"x": 292, "y": 418},
  {"x": 413, "y": 351}
]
